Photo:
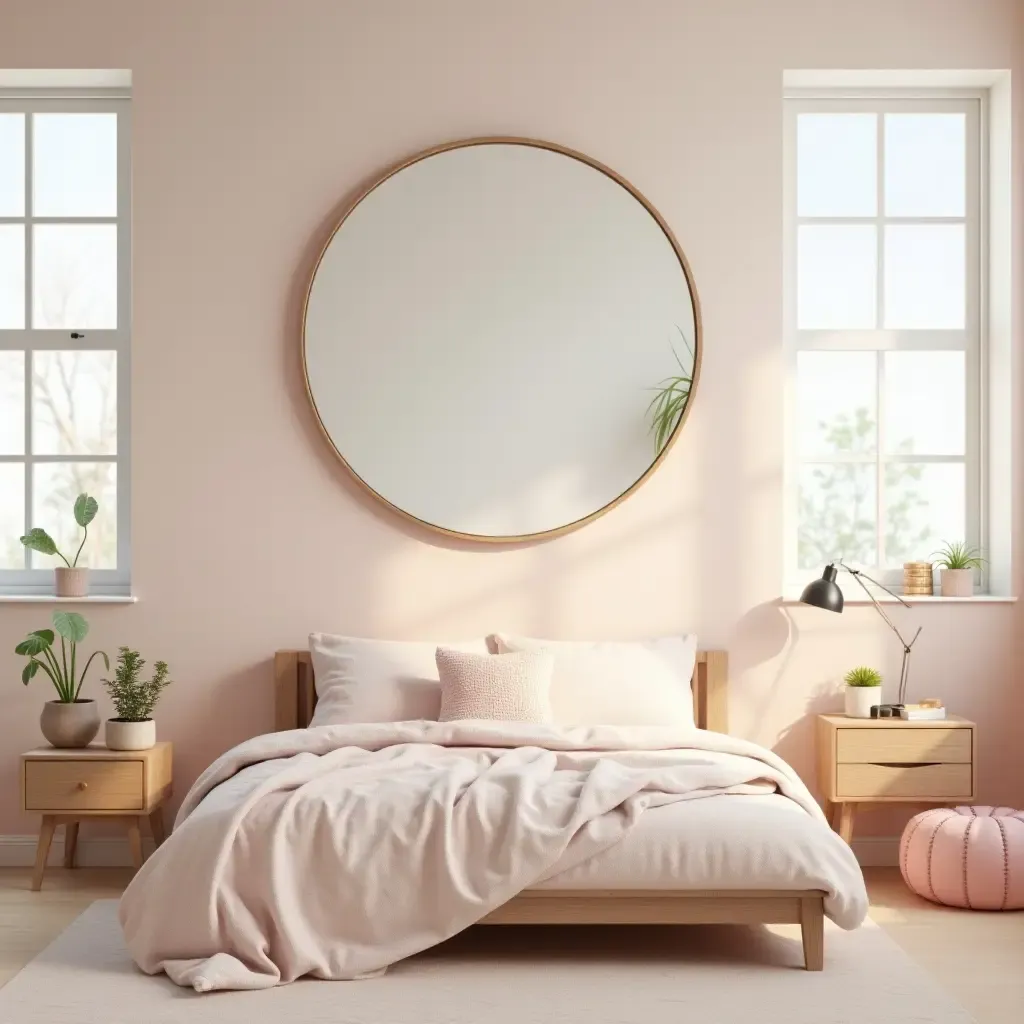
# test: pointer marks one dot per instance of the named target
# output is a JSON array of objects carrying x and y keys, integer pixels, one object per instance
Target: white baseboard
[
  {"x": 877, "y": 851},
  {"x": 101, "y": 852},
  {"x": 112, "y": 851}
]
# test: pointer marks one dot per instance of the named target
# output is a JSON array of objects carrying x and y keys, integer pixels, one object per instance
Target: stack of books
[
  {"x": 917, "y": 578},
  {"x": 926, "y": 711}
]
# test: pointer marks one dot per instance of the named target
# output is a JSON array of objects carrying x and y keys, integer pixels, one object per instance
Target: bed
[{"x": 574, "y": 903}]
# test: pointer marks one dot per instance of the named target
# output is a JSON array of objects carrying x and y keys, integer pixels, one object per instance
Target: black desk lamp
[{"x": 825, "y": 593}]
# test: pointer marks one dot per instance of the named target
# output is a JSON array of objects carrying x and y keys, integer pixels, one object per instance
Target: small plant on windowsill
[
  {"x": 863, "y": 691},
  {"x": 134, "y": 699},
  {"x": 71, "y": 579},
  {"x": 957, "y": 561}
]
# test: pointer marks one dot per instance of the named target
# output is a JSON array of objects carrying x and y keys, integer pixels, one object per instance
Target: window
[
  {"x": 884, "y": 321},
  {"x": 64, "y": 333}
]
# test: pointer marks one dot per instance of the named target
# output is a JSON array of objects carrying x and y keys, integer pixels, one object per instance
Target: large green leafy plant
[
  {"x": 39, "y": 540},
  {"x": 133, "y": 697},
  {"x": 39, "y": 648}
]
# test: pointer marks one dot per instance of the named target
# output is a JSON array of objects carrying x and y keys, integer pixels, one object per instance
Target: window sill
[
  {"x": 53, "y": 599},
  {"x": 794, "y": 598}
]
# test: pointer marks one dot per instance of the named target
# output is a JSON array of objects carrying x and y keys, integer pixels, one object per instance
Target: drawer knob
[{"x": 83, "y": 785}]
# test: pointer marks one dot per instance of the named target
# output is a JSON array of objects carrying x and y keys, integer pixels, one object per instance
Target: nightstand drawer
[
  {"x": 867, "y": 746},
  {"x": 907, "y": 781},
  {"x": 92, "y": 785}
]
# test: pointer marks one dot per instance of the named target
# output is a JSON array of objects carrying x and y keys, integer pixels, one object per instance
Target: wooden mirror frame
[{"x": 698, "y": 340}]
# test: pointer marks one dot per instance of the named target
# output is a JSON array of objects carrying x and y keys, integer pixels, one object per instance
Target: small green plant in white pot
[
  {"x": 134, "y": 698},
  {"x": 863, "y": 691},
  {"x": 70, "y": 579},
  {"x": 957, "y": 562}
]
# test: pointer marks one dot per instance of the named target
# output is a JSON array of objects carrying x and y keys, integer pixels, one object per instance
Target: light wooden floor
[{"x": 976, "y": 957}]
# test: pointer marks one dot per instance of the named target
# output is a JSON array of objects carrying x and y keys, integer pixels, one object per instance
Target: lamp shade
[{"x": 824, "y": 593}]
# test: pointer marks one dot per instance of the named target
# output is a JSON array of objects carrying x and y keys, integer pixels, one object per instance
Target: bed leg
[{"x": 812, "y": 930}]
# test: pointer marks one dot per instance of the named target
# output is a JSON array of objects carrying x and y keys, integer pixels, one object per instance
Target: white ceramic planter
[
  {"x": 860, "y": 700},
  {"x": 130, "y": 735},
  {"x": 957, "y": 582},
  {"x": 71, "y": 582}
]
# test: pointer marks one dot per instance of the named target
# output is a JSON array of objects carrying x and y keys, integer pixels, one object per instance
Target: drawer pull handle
[
  {"x": 83, "y": 785},
  {"x": 907, "y": 764}
]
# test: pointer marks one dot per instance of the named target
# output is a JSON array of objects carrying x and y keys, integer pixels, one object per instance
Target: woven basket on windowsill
[{"x": 917, "y": 578}]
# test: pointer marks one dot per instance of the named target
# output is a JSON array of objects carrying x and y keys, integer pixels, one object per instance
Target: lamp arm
[{"x": 856, "y": 574}]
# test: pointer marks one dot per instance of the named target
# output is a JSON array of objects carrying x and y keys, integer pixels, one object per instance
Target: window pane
[
  {"x": 12, "y": 515},
  {"x": 837, "y": 402},
  {"x": 837, "y": 171},
  {"x": 925, "y": 276},
  {"x": 74, "y": 282},
  {"x": 925, "y": 403},
  {"x": 12, "y": 403},
  {"x": 55, "y": 485},
  {"x": 12, "y": 276},
  {"x": 837, "y": 514},
  {"x": 836, "y": 270},
  {"x": 925, "y": 165},
  {"x": 924, "y": 506},
  {"x": 74, "y": 403},
  {"x": 12, "y": 165},
  {"x": 74, "y": 165}
]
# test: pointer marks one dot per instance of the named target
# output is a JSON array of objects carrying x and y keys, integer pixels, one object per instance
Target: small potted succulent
[
  {"x": 134, "y": 699},
  {"x": 70, "y": 579},
  {"x": 957, "y": 562},
  {"x": 70, "y": 720},
  {"x": 863, "y": 691}
]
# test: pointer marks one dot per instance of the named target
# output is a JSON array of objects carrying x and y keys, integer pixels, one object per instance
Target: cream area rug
[{"x": 517, "y": 975}]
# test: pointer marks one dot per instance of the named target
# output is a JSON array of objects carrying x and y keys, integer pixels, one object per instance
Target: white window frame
[
  {"x": 103, "y": 582},
  {"x": 972, "y": 340}
]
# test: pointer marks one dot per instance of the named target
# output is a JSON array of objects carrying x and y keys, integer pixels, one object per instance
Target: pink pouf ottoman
[{"x": 966, "y": 857}]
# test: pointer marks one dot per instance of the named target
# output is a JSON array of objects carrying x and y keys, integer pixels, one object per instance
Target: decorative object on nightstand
[
  {"x": 889, "y": 760},
  {"x": 70, "y": 720},
  {"x": 825, "y": 593},
  {"x": 863, "y": 691},
  {"x": 918, "y": 579},
  {"x": 133, "y": 727},
  {"x": 966, "y": 857},
  {"x": 67, "y": 786},
  {"x": 957, "y": 563},
  {"x": 70, "y": 580}
]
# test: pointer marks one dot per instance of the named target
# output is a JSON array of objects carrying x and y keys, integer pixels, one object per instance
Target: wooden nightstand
[
  {"x": 94, "y": 782},
  {"x": 887, "y": 760}
]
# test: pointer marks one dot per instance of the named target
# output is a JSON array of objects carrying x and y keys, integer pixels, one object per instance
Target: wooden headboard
[{"x": 295, "y": 694}]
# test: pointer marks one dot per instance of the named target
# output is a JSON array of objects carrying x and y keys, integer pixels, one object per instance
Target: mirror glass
[{"x": 491, "y": 334}]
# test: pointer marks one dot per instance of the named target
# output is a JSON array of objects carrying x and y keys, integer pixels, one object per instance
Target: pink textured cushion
[
  {"x": 966, "y": 857},
  {"x": 496, "y": 687}
]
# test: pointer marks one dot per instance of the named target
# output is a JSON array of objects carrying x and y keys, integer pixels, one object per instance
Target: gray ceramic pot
[{"x": 70, "y": 725}]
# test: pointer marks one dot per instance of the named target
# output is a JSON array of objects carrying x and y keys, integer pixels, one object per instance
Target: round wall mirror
[{"x": 501, "y": 339}]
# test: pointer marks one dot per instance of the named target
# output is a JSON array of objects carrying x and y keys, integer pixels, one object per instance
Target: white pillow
[
  {"x": 377, "y": 680},
  {"x": 495, "y": 687},
  {"x": 606, "y": 683}
]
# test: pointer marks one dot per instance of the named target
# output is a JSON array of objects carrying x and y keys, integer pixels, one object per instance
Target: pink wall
[{"x": 253, "y": 121}]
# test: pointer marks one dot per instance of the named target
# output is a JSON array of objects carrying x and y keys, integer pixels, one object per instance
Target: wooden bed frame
[{"x": 295, "y": 698}]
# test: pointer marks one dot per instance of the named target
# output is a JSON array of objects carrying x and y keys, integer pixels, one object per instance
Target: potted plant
[
  {"x": 71, "y": 579},
  {"x": 957, "y": 562},
  {"x": 68, "y": 721},
  {"x": 863, "y": 691},
  {"x": 134, "y": 699}
]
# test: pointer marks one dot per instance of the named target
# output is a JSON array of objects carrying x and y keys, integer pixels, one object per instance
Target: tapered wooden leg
[
  {"x": 46, "y": 831},
  {"x": 846, "y": 815},
  {"x": 70, "y": 843},
  {"x": 135, "y": 842},
  {"x": 156, "y": 823},
  {"x": 812, "y": 930}
]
